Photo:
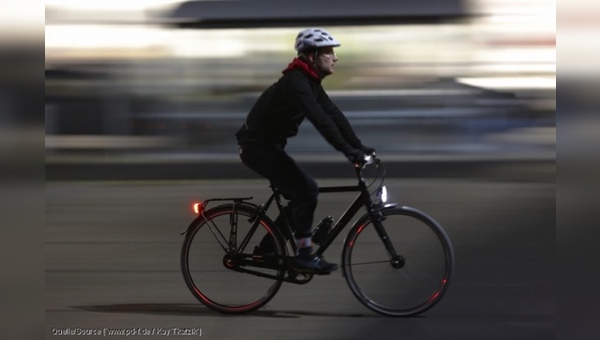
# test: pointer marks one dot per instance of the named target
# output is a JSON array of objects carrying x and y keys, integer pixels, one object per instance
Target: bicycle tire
[
  {"x": 204, "y": 261},
  {"x": 413, "y": 285}
]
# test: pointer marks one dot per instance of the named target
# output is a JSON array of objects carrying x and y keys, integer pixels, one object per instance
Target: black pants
[{"x": 272, "y": 162}]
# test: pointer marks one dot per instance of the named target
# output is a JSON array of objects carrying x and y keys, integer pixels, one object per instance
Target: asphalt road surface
[{"x": 112, "y": 265}]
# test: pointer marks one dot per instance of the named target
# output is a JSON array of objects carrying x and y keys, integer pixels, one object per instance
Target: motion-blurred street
[{"x": 112, "y": 262}]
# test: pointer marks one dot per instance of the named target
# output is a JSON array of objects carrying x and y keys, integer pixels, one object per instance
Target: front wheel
[{"x": 407, "y": 276}]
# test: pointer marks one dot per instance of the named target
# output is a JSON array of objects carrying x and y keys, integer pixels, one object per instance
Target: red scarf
[{"x": 302, "y": 66}]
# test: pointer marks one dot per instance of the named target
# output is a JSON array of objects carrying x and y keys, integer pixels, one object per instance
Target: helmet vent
[{"x": 314, "y": 38}]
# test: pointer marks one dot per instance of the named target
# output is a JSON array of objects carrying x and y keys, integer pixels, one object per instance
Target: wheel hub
[
  {"x": 229, "y": 262},
  {"x": 398, "y": 262}
]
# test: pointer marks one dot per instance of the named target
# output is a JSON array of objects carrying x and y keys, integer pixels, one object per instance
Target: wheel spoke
[
  {"x": 396, "y": 286},
  {"x": 368, "y": 262},
  {"x": 219, "y": 280}
]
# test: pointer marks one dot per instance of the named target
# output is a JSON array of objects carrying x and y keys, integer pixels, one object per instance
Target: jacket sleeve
[
  {"x": 305, "y": 99},
  {"x": 340, "y": 120}
]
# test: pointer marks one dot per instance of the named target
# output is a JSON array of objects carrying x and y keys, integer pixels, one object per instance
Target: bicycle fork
[{"x": 377, "y": 217}]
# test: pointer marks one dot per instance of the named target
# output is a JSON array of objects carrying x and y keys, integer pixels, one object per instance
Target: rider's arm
[
  {"x": 305, "y": 99},
  {"x": 340, "y": 120}
]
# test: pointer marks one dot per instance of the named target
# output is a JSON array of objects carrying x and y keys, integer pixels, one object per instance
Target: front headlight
[
  {"x": 384, "y": 195},
  {"x": 381, "y": 195}
]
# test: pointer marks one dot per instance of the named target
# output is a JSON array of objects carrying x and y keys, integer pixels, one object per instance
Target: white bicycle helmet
[{"x": 314, "y": 38}]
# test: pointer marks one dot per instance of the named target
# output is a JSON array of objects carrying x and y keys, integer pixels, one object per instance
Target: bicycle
[{"x": 396, "y": 260}]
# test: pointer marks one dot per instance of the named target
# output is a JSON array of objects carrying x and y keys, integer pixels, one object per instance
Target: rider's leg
[
  {"x": 302, "y": 191},
  {"x": 267, "y": 245},
  {"x": 296, "y": 185},
  {"x": 273, "y": 163}
]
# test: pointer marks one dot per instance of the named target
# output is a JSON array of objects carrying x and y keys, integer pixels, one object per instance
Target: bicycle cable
[{"x": 379, "y": 178}]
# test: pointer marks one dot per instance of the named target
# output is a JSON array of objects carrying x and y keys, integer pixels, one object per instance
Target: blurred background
[
  {"x": 156, "y": 90},
  {"x": 166, "y": 79}
]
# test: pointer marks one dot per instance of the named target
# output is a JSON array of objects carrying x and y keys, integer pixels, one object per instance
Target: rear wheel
[
  {"x": 413, "y": 280},
  {"x": 212, "y": 260}
]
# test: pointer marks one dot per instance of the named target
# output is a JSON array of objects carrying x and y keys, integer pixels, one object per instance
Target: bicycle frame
[{"x": 362, "y": 200}]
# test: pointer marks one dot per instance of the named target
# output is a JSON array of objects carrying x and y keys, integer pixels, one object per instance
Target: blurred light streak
[
  {"x": 108, "y": 142},
  {"x": 21, "y": 22},
  {"x": 578, "y": 52},
  {"x": 103, "y": 36},
  {"x": 121, "y": 5},
  {"x": 511, "y": 83}
]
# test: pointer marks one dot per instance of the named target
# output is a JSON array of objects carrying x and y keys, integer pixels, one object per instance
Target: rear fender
[{"x": 201, "y": 218}]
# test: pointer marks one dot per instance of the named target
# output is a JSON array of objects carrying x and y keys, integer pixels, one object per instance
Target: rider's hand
[
  {"x": 356, "y": 156},
  {"x": 367, "y": 150}
]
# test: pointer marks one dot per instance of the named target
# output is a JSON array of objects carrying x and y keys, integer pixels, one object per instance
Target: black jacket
[{"x": 282, "y": 107}]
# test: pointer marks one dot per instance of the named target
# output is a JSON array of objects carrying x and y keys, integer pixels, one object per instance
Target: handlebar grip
[{"x": 369, "y": 159}]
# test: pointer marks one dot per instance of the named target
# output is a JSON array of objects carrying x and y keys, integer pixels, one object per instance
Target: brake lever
[{"x": 369, "y": 159}]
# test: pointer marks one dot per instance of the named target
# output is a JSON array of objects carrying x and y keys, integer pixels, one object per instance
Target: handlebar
[
  {"x": 376, "y": 176},
  {"x": 369, "y": 159}
]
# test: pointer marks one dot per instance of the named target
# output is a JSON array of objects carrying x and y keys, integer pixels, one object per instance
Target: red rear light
[{"x": 197, "y": 208}]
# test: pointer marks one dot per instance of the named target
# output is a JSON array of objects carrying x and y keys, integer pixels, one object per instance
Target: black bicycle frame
[{"x": 363, "y": 199}]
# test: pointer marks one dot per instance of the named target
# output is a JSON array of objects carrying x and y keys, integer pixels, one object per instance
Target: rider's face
[{"x": 326, "y": 59}]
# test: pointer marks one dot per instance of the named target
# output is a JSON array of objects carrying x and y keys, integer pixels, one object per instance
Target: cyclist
[{"x": 276, "y": 116}]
